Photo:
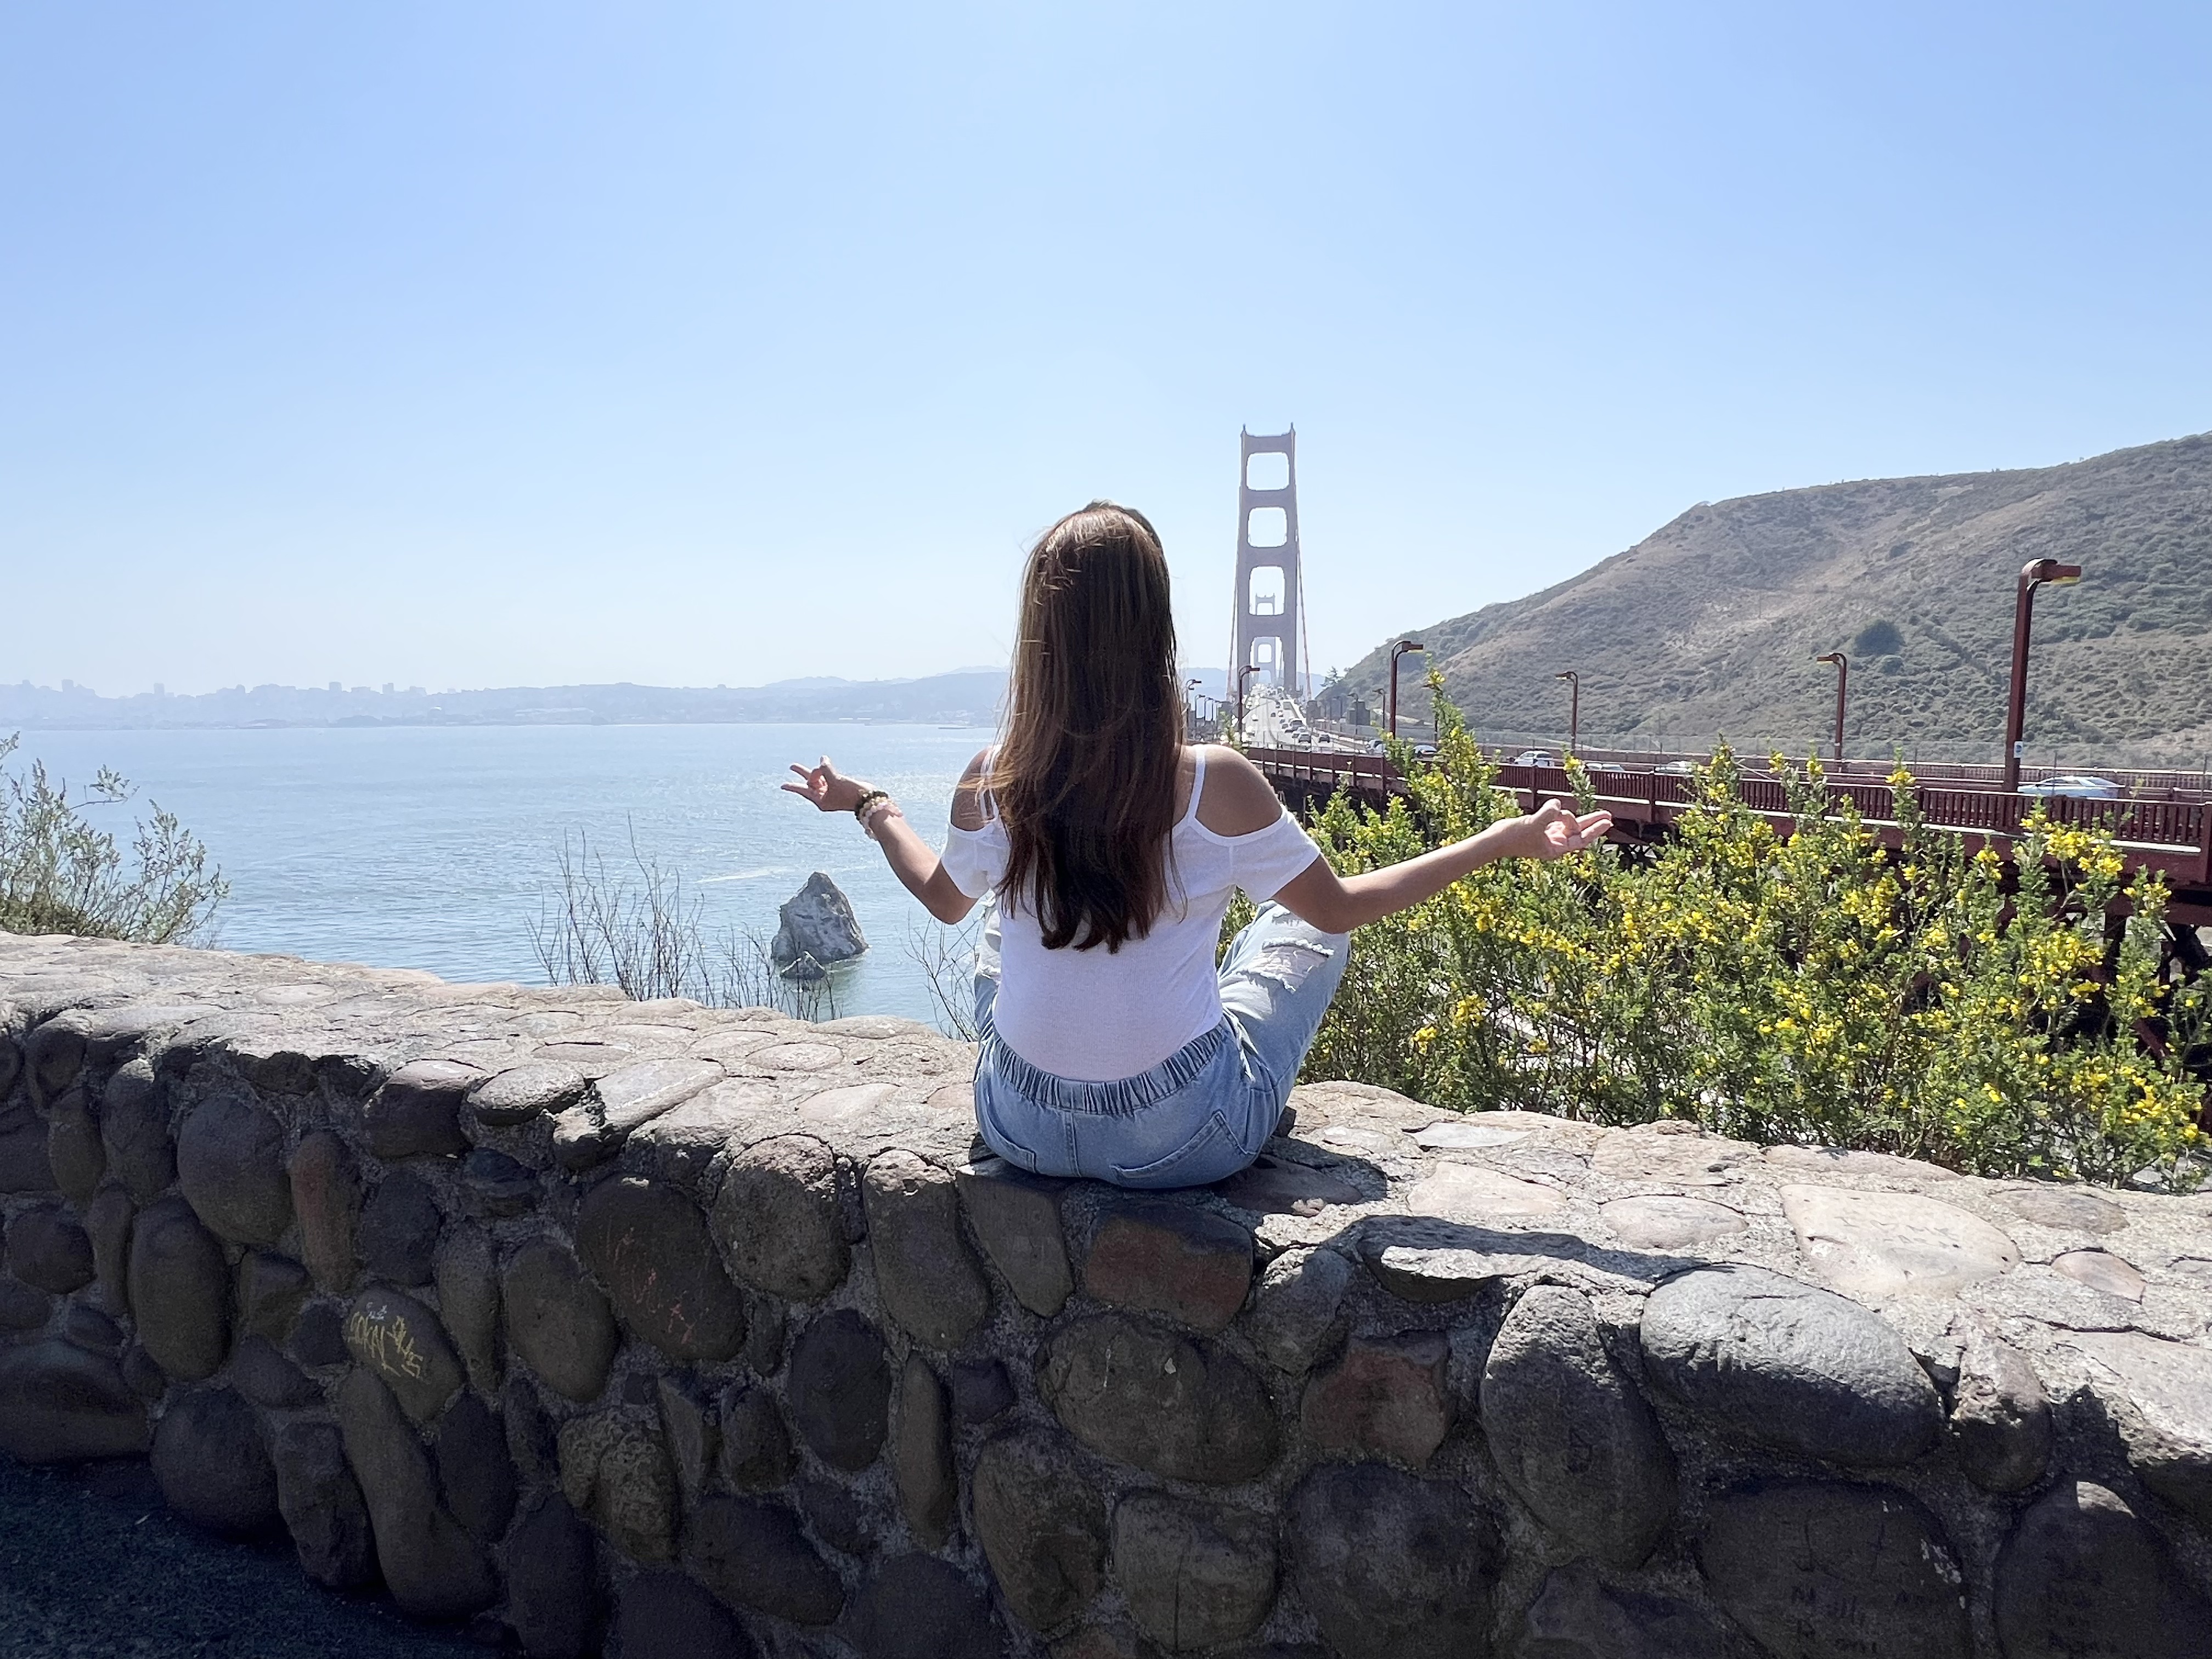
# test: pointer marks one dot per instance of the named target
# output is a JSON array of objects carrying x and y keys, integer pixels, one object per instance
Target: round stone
[
  {"x": 2161, "y": 1393},
  {"x": 326, "y": 1196},
  {"x": 1157, "y": 1255},
  {"x": 1667, "y": 1222},
  {"x": 179, "y": 1291},
  {"x": 927, "y": 1277},
  {"x": 921, "y": 1455},
  {"x": 1815, "y": 1570},
  {"x": 557, "y": 1321},
  {"x": 777, "y": 1220},
  {"x": 1142, "y": 1396},
  {"x": 615, "y": 1468},
  {"x": 840, "y": 1389},
  {"x": 1679, "y": 1160},
  {"x": 1876, "y": 1244},
  {"x": 795, "y": 1057},
  {"x": 2065, "y": 1209},
  {"x": 2100, "y": 1270},
  {"x": 1391, "y": 1567},
  {"x": 398, "y": 1231},
  {"x": 1294, "y": 1308},
  {"x": 1042, "y": 1527},
  {"x": 521, "y": 1092},
  {"x": 1195, "y": 1574},
  {"x": 59, "y": 1404},
  {"x": 1570, "y": 1434},
  {"x": 47, "y": 1248},
  {"x": 416, "y": 1114},
  {"x": 1772, "y": 1359},
  {"x": 73, "y": 1147},
  {"x": 134, "y": 1132},
  {"x": 1469, "y": 1192},
  {"x": 1386, "y": 1397},
  {"x": 664, "y": 1616},
  {"x": 230, "y": 1165},
  {"x": 1458, "y": 1133},
  {"x": 554, "y": 1602},
  {"x": 213, "y": 1463},
  {"x": 648, "y": 1245},
  {"x": 2000, "y": 1415},
  {"x": 751, "y": 1553},
  {"x": 322, "y": 1506},
  {"x": 2084, "y": 1578},
  {"x": 433, "y": 1567},
  {"x": 917, "y": 1607},
  {"x": 401, "y": 1342},
  {"x": 1016, "y": 1216}
]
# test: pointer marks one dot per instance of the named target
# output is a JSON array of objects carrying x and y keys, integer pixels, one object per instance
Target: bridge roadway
[{"x": 2171, "y": 835}]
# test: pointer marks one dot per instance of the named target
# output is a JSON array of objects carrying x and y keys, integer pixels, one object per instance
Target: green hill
[{"x": 1709, "y": 625}]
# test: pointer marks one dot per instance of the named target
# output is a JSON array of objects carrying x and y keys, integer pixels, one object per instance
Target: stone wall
[{"x": 674, "y": 1331}]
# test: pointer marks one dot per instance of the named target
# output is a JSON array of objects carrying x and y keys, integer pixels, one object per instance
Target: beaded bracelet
[{"x": 861, "y": 806}]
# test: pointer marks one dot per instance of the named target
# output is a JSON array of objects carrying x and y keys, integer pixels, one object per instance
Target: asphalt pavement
[{"x": 93, "y": 1566}]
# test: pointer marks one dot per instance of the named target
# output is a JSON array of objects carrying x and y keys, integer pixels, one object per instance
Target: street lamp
[
  {"x": 2035, "y": 573},
  {"x": 1242, "y": 674},
  {"x": 1843, "y": 683},
  {"x": 1574, "y": 706},
  {"x": 1396, "y": 652},
  {"x": 1190, "y": 704}
]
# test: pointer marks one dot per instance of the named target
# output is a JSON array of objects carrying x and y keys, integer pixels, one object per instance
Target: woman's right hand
[{"x": 829, "y": 789}]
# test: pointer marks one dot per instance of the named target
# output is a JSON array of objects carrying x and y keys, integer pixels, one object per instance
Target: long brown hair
[{"x": 1085, "y": 778}]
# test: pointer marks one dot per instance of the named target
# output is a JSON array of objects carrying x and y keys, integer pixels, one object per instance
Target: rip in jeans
[{"x": 1289, "y": 962}]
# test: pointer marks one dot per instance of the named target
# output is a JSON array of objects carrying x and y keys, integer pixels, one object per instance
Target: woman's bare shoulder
[
  {"x": 1236, "y": 799},
  {"x": 967, "y": 812}
]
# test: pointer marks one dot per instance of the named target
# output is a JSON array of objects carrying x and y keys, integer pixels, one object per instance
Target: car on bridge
[{"x": 2076, "y": 786}]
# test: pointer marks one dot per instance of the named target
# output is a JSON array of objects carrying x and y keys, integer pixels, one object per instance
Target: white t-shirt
[{"x": 1096, "y": 1015}]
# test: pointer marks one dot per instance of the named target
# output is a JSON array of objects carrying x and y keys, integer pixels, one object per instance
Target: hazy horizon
[{"x": 693, "y": 345}]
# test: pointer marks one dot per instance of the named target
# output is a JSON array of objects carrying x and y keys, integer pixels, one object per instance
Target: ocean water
[{"x": 425, "y": 846}]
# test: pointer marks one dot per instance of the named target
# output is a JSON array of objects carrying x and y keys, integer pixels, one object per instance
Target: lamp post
[
  {"x": 1842, "y": 684},
  {"x": 1242, "y": 674},
  {"x": 1396, "y": 652},
  {"x": 1574, "y": 706},
  {"x": 1190, "y": 705},
  {"x": 2033, "y": 574}
]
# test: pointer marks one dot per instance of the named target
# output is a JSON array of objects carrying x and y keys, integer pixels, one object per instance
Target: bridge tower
[{"x": 1268, "y": 568}]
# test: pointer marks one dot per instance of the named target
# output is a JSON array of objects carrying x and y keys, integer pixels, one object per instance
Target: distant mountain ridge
[
  {"x": 1709, "y": 625},
  {"x": 970, "y": 697}
]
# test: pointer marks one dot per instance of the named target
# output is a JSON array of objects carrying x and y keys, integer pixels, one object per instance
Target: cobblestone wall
[{"x": 663, "y": 1330}]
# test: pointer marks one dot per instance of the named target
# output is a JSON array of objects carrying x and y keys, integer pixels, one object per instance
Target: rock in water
[{"x": 817, "y": 921}]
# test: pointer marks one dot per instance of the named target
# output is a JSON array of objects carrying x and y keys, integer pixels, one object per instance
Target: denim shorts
[{"x": 1200, "y": 1114}]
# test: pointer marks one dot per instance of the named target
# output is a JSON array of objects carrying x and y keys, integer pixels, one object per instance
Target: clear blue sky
[{"x": 689, "y": 344}]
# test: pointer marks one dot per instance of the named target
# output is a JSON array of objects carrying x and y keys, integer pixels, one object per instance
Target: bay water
[{"x": 437, "y": 847}]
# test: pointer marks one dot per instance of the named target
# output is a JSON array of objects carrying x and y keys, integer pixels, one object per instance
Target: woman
[{"x": 1113, "y": 1047}]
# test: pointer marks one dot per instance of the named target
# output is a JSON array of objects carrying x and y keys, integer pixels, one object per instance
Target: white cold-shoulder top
[{"x": 1095, "y": 1016}]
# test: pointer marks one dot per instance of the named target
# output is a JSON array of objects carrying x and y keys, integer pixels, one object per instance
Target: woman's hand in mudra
[
  {"x": 829, "y": 790},
  {"x": 1553, "y": 831}
]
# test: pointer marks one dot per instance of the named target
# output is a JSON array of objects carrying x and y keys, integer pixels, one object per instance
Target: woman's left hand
[{"x": 829, "y": 789}]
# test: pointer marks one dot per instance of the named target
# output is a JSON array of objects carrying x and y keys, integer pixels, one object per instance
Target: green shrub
[
  {"x": 1812, "y": 987},
  {"x": 60, "y": 872}
]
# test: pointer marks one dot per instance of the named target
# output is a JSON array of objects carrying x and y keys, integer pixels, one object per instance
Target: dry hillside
[{"x": 1709, "y": 625}]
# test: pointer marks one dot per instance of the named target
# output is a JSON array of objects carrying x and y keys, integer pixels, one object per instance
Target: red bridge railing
[{"x": 2174, "y": 836}]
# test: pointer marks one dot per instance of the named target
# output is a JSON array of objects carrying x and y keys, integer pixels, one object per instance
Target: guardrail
[{"x": 2173, "y": 836}]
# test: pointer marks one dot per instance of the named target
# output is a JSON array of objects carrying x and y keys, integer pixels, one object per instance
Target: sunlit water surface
[{"x": 421, "y": 847}]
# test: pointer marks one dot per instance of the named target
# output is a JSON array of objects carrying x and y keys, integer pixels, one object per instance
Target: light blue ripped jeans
[{"x": 1200, "y": 1114}]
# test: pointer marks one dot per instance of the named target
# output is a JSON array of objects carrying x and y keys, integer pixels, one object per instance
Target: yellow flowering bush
[{"x": 2004, "y": 1018}]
